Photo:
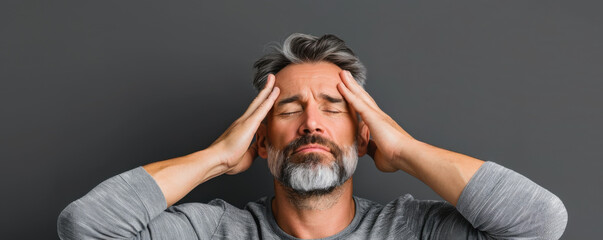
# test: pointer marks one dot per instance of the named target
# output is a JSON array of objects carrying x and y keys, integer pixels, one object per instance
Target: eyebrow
[
  {"x": 330, "y": 98},
  {"x": 296, "y": 98},
  {"x": 288, "y": 100}
]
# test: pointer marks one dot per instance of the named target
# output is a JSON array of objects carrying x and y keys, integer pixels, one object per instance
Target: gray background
[{"x": 90, "y": 89}]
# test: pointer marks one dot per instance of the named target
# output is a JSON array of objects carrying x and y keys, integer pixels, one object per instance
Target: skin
[{"x": 390, "y": 147}]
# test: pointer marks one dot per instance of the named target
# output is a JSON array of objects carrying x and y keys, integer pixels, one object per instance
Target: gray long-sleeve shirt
[{"x": 497, "y": 203}]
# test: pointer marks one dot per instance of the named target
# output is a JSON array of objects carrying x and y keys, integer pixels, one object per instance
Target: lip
[{"x": 312, "y": 148}]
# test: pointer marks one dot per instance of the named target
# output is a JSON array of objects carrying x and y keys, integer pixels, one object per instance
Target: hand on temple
[
  {"x": 231, "y": 153},
  {"x": 233, "y": 147},
  {"x": 388, "y": 139}
]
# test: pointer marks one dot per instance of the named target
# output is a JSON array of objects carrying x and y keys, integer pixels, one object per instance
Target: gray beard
[{"x": 312, "y": 177}]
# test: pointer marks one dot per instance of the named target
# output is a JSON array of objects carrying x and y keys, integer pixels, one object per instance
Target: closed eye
[
  {"x": 289, "y": 113},
  {"x": 295, "y": 112}
]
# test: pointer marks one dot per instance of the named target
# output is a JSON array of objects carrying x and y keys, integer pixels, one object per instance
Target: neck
[{"x": 316, "y": 216}]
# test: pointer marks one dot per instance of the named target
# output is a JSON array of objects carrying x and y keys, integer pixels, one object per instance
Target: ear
[
  {"x": 260, "y": 138},
  {"x": 362, "y": 138}
]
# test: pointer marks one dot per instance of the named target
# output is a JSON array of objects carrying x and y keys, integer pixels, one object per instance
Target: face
[{"x": 310, "y": 136}]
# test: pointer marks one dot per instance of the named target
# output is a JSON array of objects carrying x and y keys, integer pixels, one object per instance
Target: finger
[
  {"x": 359, "y": 89},
  {"x": 357, "y": 103},
  {"x": 355, "y": 87},
  {"x": 350, "y": 82},
  {"x": 262, "y": 95},
  {"x": 262, "y": 110},
  {"x": 246, "y": 126}
]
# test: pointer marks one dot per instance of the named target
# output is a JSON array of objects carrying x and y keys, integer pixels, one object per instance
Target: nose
[{"x": 312, "y": 122}]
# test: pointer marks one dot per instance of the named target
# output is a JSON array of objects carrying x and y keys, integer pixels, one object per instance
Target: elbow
[
  {"x": 555, "y": 218},
  {"x": 83, "y": 220},
  {"x": 71, "y": 223}
]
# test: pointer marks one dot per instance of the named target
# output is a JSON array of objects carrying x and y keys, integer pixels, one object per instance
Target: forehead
[{"x": 308, "y": 77}]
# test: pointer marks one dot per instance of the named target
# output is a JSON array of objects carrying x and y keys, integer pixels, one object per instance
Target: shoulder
[
  {"x": 409, "y": 210},
  {"x": 216, "y": 208},
  {"x": 403, "y": 216},
  {"x": 406, "y": 206},
  {"x": 259, "y": 204},
  {"x": 214, "y": 218},
  {"x": 409, "y": 205}
]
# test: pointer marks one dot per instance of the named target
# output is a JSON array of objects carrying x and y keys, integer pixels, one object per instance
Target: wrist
[
  {"x": 408, "y": 153},
  {"x": 209, "y": 159}
]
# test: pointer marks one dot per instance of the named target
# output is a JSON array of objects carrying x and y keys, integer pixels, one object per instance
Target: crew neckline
[{"x": 347, "y": 230}]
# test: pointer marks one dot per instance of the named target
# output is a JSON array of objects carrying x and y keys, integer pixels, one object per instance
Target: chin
[{"x": 313, "y": 173}]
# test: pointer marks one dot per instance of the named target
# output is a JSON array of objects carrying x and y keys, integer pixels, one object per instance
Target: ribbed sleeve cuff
[{"x": 147, "y": 190}]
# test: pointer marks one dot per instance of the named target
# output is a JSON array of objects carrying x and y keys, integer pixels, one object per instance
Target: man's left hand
[{"x": 389, "y": 140}]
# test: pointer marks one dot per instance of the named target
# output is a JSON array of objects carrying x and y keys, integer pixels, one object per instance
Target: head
[{"x": 312, "y": 138}]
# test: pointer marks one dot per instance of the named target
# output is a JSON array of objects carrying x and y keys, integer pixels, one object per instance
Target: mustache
[{"x": 312, "y": 139}]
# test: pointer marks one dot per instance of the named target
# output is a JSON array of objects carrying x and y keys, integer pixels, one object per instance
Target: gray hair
[{"x": 304, "y": 48}]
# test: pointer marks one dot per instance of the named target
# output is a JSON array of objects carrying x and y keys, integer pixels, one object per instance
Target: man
[{"x": 312, "y": 120}]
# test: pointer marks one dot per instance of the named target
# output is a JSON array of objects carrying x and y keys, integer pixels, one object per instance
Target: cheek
[
  {"x": 281, "y": 133},
  {"x": 346, "y": 131},
  {"x": 345, "y": 128}
]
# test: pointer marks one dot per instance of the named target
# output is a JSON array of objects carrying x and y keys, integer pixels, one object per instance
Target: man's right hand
[
  {"x": 231, "y": 153},
  {"x": 233, "y": 146}
]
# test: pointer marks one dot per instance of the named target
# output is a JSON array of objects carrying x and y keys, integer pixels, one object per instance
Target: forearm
[
  {"x": 446, "y": 172},
  {"x": 178, "y": 176}
]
